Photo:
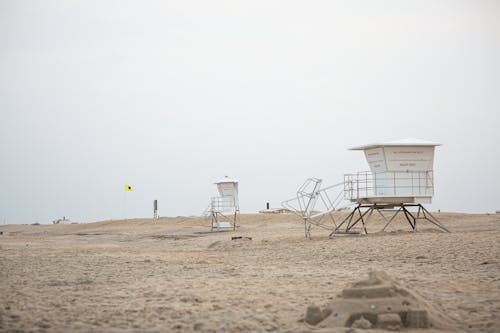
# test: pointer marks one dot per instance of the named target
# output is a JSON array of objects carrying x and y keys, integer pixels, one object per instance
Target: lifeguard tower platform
[
  {"x": 400, "y": 178},
  {"x": 224, "y": 209}
]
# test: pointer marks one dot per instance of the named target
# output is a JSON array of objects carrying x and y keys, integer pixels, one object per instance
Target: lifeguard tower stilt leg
[
  {"x": 422, "y": 214},
  {"x": 235, "y": 220},
  {"x": 352, "y": 221},
  {"x": 356, "y": 216}
]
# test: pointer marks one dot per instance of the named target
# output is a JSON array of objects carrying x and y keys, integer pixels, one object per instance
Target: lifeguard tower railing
[
  {"x": 223, "y": 204},
  {"x": 223, "y": 212},
  {"x": 367, "y": 184}
]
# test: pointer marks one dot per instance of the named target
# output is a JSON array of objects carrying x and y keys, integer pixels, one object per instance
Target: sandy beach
[{"x": 173, "y": 274}]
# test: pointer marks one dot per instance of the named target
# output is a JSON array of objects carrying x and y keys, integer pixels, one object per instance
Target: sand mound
[{"x": 378, "y": 302}]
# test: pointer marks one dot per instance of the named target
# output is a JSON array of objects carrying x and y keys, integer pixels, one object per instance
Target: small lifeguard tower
[
  {"x": 401, "y": 176},
  {"x": 224, "y": 208}
]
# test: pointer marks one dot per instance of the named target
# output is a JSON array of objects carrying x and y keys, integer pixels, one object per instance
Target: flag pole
[{"x": 124, "y": 210}]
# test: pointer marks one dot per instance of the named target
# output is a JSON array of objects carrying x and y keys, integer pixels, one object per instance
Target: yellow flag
[{"x": 128, "y": 188}]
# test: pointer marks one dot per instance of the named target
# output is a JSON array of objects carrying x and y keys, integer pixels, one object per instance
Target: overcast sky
[{"x": 170, "y": 96}]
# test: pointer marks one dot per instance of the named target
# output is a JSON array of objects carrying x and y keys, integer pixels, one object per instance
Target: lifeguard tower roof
[
  {"x": 226, "y": 180},
  {"x": 398, "y": 143}
]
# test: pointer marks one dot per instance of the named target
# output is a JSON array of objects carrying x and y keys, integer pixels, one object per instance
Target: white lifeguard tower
[
  {"x": 224, "y": 208},
  {"x": 400, "y": 177}
]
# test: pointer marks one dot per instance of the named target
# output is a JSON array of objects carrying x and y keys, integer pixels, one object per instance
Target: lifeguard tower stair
[
  {"x": 362, "y": 213},
  {"x": 315, "y": 205}
]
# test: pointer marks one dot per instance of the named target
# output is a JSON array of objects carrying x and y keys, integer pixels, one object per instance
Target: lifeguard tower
[
  {"x": 400, "y": 178},
  {"x": 224, "y": 209}
]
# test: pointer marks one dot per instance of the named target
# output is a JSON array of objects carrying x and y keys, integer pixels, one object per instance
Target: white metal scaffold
[{"x": 315, "y": 205}]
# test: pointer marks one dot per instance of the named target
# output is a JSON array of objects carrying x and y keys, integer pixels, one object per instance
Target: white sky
[{"x": 170, "y": 96}]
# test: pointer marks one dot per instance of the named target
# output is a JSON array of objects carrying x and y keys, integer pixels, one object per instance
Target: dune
[{"x": 174, "y": 275}]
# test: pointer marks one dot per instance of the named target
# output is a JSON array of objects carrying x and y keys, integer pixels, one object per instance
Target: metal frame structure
[
  {"x": 401, "y": 179},
  {"x": 222, "y": 207},
  {"x": 315, "y": 205},
  {"x": 402, "y": 190},
  {"x": 156, "y": 215},
  {"x": 358, "y": 215}
]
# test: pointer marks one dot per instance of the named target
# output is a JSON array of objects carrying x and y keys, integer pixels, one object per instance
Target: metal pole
[
  {"x": 155, "y": 209},
  {"x": 357, "y": 186},
  {"x": 234, "y": 220},
  {"x": 394, "y": 177}
]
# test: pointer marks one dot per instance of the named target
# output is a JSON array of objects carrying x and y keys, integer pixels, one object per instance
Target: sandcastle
[{"x": 379, "y": 303}]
